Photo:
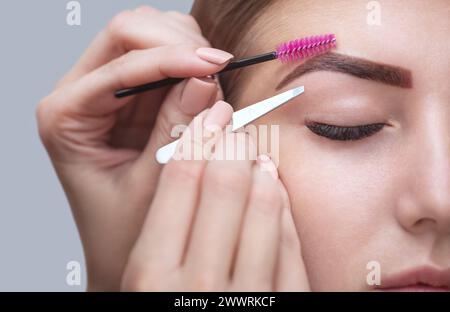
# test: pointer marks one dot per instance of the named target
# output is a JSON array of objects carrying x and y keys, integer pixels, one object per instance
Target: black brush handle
[{"x": 170, "y": 81}]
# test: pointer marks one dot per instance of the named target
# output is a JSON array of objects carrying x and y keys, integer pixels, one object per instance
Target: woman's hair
[{"x": 227, "y": 24}]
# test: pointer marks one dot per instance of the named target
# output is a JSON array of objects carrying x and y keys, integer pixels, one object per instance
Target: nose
[{"x": 426, "y": 204}]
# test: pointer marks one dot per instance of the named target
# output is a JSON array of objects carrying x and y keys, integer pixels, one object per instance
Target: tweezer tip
[{"x": 298, "y": 90}]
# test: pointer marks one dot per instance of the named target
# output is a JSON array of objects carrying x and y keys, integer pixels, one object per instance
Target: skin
[
  {"x": 125, "y": 204},
  {"x": 100, "y": 145},
  {"x": 386, "y": 197},
  {"x": 208, "y": 237}
]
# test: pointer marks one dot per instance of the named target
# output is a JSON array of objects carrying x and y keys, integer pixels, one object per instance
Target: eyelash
[{"x": 339, "y": 133}]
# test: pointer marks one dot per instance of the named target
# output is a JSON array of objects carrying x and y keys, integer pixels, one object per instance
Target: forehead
[
  {"x": 394, "y": 23},
  {"x": 391, "y": 32}
]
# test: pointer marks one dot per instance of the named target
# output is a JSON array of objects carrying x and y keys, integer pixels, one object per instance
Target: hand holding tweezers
[{"x": 240, "y": 118}]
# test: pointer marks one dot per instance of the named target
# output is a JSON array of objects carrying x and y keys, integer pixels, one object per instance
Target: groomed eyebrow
[{"x": 361, "y": 68}]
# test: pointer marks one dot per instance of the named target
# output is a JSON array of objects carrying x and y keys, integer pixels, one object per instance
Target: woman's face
[{"x": 384, "y": 197}]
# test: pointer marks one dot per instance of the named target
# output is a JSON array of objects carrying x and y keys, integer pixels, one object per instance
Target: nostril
[
  {"x": 424, "y": 225},
  {"x": 425, "y": 222}
]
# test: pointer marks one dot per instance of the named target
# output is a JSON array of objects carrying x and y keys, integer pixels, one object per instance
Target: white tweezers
[{"x": 240, "y": 118}]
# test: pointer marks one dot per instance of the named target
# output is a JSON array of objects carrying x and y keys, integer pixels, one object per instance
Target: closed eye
[{"x": 340, "y": 133}]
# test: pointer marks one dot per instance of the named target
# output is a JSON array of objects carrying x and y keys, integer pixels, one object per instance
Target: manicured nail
[
  {"x": 266, "y": 164},
  {"x": 218, "y": 116},
  {"x": 212, "y": 77},
  {"x": 215, "y": 56}
]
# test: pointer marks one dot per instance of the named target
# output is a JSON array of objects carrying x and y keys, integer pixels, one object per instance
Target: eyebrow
[{"x": 361, "y": 68}]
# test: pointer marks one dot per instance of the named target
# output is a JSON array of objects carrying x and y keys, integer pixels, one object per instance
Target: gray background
[{"x": 37, "y": 234}]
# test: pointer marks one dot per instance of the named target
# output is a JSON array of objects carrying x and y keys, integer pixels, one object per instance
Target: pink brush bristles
[
  {"x": 305, "y": 47},
  {"x": 287, "y": 52}
]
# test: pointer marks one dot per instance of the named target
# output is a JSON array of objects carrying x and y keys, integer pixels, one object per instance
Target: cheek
[{"x": 338, "y": 202}]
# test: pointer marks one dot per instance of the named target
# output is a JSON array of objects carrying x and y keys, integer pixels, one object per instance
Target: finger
[
  {"x": 258, "y": 250},
  {"x": 160, "y": 245},
  {"x": 145, "y": 9},
  {"x": 131, "y": 30},
  {"x": 180, "y": 106},
  {"x": 167, "y": 225},
  {"x": 185, "y": 22},
  {"x": 93, "y": 94},
  {"x": 225, "y": 191},
  {"x": 291, "y": 272}
]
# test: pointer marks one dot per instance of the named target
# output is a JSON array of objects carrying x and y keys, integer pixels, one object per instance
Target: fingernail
[
  {"x": 215, "y": 56},
  {"x": 218, "y": 116},
  {"x": 267, "y": 165},
  {"x": 212, "y": 77}
]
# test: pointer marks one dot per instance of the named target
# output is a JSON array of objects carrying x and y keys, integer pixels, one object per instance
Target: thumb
[{"x": 181, "y": 105}]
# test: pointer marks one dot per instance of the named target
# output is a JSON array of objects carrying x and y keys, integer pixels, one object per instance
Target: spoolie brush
[{"x": 286, "y": 52}]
